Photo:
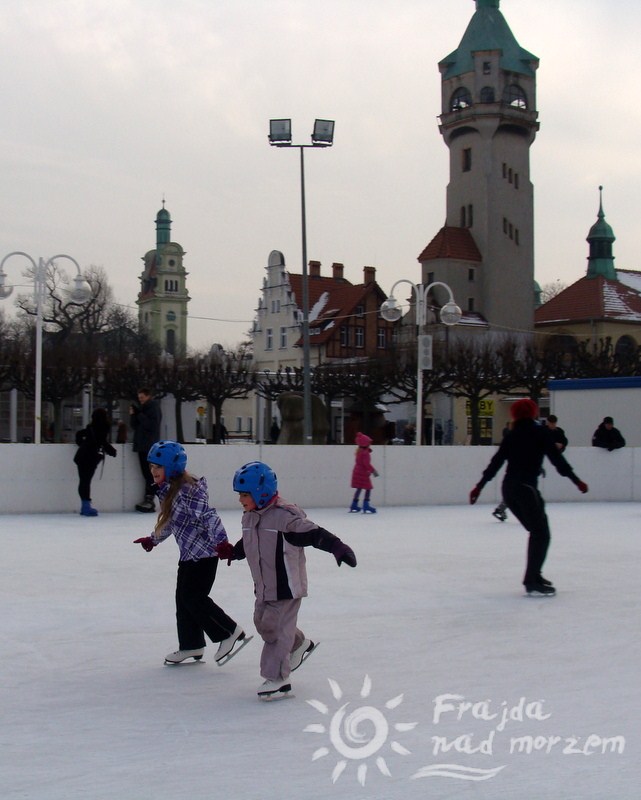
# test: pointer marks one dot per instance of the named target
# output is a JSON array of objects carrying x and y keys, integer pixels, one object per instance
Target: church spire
[
  {"x": 600, "y": 238},
  {"x": 163, "y": 226}
]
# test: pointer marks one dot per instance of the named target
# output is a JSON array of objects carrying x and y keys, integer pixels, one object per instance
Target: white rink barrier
[{"x": 43, "y": 478}]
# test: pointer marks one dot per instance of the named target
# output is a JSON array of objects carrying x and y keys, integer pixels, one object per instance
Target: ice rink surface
[{"x": 435, "y": 677}]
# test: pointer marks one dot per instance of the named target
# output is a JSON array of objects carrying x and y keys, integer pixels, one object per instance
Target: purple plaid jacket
[{"x": 197, "y": 527}]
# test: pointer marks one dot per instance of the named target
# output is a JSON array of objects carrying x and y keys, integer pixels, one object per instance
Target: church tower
[
  {"x": 163, "y": 297},
  {"x": 488, "y": 121}
]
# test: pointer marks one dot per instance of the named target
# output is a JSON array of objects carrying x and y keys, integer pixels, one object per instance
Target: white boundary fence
[{"x": 43, "y": 478}]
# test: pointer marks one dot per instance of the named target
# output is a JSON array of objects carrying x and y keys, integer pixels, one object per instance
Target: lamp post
[
  {"x": 280, "y": 135},
  {"x": 449, "y": 314},
  {"x": 79, "y": 294}
]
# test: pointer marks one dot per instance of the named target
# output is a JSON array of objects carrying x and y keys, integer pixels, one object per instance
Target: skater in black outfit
[
  {"x": 145, "y": 419},
  {"x": 524, "y": 447},
  {"x": 93, "y": 443},
  {"x": 558, "y": 434}
]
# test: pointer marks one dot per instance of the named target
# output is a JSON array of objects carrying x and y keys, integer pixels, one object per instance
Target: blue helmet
[
  {"x": 171, "y": 456},
  {"x": 258, "y": 480}
]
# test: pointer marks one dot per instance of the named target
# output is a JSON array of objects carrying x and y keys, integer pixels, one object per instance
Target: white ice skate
[
  {"x": 178, "y": 656},
  {"x": 232, "y": 645},
  {"x": 301, "y": 653},
  {"x": 274, "y": 690}
]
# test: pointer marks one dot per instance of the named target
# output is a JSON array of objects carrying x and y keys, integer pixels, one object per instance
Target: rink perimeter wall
[{"x": 43, "y": 478}]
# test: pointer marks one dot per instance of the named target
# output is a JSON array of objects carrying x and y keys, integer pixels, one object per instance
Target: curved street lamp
[
  {"x": 449, "y": 314},
  {"x": 80, "y": 293},
  {"x": 280, "y": 135}
]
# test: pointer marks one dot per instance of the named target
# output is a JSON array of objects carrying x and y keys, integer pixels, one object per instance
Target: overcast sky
[{"x": 109, "y": 105}]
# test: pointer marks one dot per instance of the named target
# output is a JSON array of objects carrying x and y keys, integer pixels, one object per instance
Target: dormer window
[{"x": 515, "y": 97}]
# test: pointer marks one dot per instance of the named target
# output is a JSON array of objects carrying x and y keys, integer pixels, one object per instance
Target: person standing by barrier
[
  {"x": 145, "y": 418},
  {"x": 362, "y": 474},
  {"x": 93, "y": 443},
  {"x": 607, "y": 436}
]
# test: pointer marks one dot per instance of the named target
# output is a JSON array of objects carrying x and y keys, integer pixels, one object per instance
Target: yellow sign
[{"x": 486, "y": 408}]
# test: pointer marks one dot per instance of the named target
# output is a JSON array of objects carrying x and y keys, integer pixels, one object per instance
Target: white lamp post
[
  {"x": 79, "y": 294},
  {"x": 449, "y": 314},
  {"x": 280, "y": 135}
]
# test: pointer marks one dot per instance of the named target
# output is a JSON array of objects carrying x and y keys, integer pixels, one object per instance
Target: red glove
[
  {"x": 582, "y": 487},
  {"x": 474, "y": 495},
  {"x": 225, "y": 550},
  {"x": 146, "y": 542}
]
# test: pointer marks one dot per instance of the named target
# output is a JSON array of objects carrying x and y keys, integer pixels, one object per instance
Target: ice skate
[
  {"x": 539, "y": 590},
  {"x": 274, "y": 690},
  {"x": 354, "y": 507},
  {"x": 500, "y": 514},
  {"x": 147, "y": 505},
  {"x": 367, "y": 508},
  {"x": 178, "y": 656},
  {"x": 231, "y": 646},
  {"x": 301, "y": 653},
  {"x": 87, "y": 510}
]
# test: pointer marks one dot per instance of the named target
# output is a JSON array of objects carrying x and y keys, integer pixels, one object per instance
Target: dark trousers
[
  {"x": 196, "y": 612},
  {"x": 528, "y": 506},
  {"x": 86, "y": 470},
  {"x": 150, "y": 486}
]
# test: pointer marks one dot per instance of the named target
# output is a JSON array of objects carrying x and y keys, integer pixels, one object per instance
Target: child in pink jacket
[{"x": 361, "y": 474}]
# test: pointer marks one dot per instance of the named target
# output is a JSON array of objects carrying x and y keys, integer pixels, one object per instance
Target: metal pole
[
  {"x": 307, "y": 395},
  {"x": 38, "y": 288},
  {"x": 418, "y": 290}
]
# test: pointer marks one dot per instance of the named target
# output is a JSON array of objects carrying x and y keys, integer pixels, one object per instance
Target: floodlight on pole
[
  {"x": 280, "y": 135},
  {"x": 449, "y": 314}
]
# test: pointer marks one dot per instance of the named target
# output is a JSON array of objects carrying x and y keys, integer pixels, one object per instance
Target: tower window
[
  {"x": 170, "y": 342},
  {"x": 470, "y": 304},
  {"x": 487, "y": 67},
  {"x": 504, "y": 170},
  {"x": 467, "y": 159},
  {"x": 460, "y": 99},
  {"x": 487, "y": 94},
  {"x": 514, "y": 96},
  {"x": 470, "y": 216},
  {"x": 171, "y": 285},
  {"x": 516, "y": 180},
  {"x": 430, "y": 277},
  {"x": 471, "y": 275},
  {"x": 463, "y": 217},
  {"x": 516, "y": 236},
  {"x": 171, "y": 316}
]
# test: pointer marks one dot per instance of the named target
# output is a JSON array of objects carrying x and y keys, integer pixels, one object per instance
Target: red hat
[
  {"x": 362, "y": 440},
  {"x": 524, "y": 409}
]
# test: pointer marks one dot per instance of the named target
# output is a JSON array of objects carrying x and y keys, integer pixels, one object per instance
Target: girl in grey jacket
[{"x": 275, "y": 534}]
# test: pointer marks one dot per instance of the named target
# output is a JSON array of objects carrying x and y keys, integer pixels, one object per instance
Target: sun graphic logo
[{"x": 359, "y": 734}]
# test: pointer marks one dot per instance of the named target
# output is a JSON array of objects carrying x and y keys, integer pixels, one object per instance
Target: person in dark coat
[
  {"x": 145, "y": 419},
  {"x": 607, "y": 436},
  {"x": 558, "y": 434},
  {"x": 93, "y": 443},
  {"x": 524, "y": 448}
]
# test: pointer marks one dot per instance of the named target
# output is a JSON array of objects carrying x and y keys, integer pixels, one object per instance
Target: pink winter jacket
[{"x": 363, "y": 469}]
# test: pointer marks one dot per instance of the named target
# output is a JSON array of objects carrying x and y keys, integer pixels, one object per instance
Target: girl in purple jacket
[
  {"x": 185, "y": 513},
  {"x": 361, "y": 474}
]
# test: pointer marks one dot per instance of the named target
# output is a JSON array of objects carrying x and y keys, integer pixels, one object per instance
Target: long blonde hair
[{"x": 175, "y": 485}]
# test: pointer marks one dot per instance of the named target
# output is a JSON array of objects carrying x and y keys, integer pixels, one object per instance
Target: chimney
[
  {"x": 369, "y": 275},
  {"x": 337, "y": 271},
  {"x": 314, "y": 269}
]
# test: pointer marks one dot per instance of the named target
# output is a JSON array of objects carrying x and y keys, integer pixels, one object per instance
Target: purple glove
[
  {"x": 343, "y": 553},
  {"x": 225, "y": 550},
  {"x": 146, "y": 542}
]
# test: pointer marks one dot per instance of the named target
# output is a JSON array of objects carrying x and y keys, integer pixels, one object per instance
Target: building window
[
  {"x": 460, "y": 99},
  {"x": 275, "y": 306},
  {"x": 381, "y": 338},
  {"x": 269, "y": 339},
  {"x": 487, "y": 68},
  {"x": 504, "y": 170},
  {"x": 514, "y": 96},
  {"x": 470, "y": 216},
  {"x": 360, "y": 310},
  {"x": 463, "y": 216},
  {"x": 471, "y": 274},
  {"x": 430, "y": 277},
  {"x": 504, "y": 225},
  {"x": 516, "y": 236},
  {"x": 171, "y": 316},
  {"x": 171, "y": 286},
  {"x": 516, "y": 180},
  {"x": 470, "y": 304},
  {"x": 467, "y": 159},
  {"x": 170, "y": 342},
  {"x": 487, "y": 94},
  {"x": 344, "y": 336},
  {"x": 283, "y": 337},
  {"x": 359, "y": 337},
  {"x": 239, "y": 424}
]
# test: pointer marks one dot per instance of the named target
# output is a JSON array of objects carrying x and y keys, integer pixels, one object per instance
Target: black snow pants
[
  {"x": 527, "y": 505},
  {"x": 196, "y": 612}
]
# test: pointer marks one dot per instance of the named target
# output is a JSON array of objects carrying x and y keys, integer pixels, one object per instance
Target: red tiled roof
[
  {"x": 450, "y": 242},
  {"x": 592, "y": 299},
  {"x": 337, "y": 299}
]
